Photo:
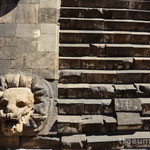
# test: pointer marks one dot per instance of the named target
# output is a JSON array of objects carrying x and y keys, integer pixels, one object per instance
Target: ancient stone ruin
[{"x": 75, "y": 74}]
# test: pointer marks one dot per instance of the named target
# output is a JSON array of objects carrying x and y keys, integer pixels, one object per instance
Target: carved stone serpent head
[{"x": 24, "y": 101}]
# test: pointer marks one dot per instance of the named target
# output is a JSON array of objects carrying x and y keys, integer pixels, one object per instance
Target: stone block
[
  {"x": 92, "y": 123},
  {"x": 107, "y": 106},
  {"x": 40, "y": 142},
  {"x": 102, "y": 91},
  {"x": 48, "y": 15},
  {"x": 125, "y": 90},
  {"x": 105, "y": 142},
  {"x": 119, "y": 64},
  {"x": 92, "y": 107},
  {"x": 8, "y": 52},
  {"x": 101, "y": 106},
  {"x": 73, "y": 141},
  {"x": 117, "y": 37},
  {"x": 22, "y": 61},
  {"x": 128, "y": 105},
  {"x": 87, "y": 76},
  {"x": 29, "y": 45},
  {"x": 28, "y": 30},
  {"x": 49, "y": 29},
  {"x": 81, "y": 37},
  {"x": 8, "y": 42},
  {"x": 48, "y": 43},
  {"x": 141, "y": 63},
  {"x": 27, "y": 13},
  {"x": 129, "y": 77},
  {"x": 44, "y": 60},
  {"x": 90, "y": 91},
  {"x": 110, "y": 124},
  {"x": 70, "y": 107},
  {"x": 7, "y": 30},
  {"x": 145, "y": 102},
  {"x": 75, "y": 50},
  {"x": 128, "y": 121},
  {"x": 140, "y": 38},
  {"x": 69, "y": 124}
]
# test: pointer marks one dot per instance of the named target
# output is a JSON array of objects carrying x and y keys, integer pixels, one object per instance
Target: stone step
[
  {"x": 104, "y": 50},
  {"x": 87, "y": 91},
  {"x": 77, "y": 142},
  {"x": 100, "y": 91},
  {"x": 104, "y": 24},
  {"x": 104, "y": 76},
  {"x": 70, "y": 124},
  {"x": 128, "y": 121},
  {"x": 94, "y": 124},
  {"x": 95, "y": 63},
  {"x": 128, "y": 4},
  {"x": 84, "y": 107},
  {"x": 114, "y": 142},
  {"x": 115, "y": 37},
  {"x": 103, "y": 63},
  {"x": 80, "y": 12}
]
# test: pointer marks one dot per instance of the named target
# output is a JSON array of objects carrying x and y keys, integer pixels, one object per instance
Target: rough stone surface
[
  {"x": 124, "y": 105},
  {"x": 128, "y": 121},
  {"x": 73, "y": 142},
  {"x": 92, "y": 123},
  {"x": 22, "y": 26},
  {"x": 69, "y": 124}
]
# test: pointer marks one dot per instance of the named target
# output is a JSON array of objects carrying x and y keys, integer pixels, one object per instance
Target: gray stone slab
[
  {"x": 7, "y": 30},
  {"x": 48, "y": 15},
  {"x": 128, "y": 121},
  {"x": 129, "y": 105}
]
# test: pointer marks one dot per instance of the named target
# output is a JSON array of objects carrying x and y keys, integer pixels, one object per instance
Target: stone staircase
[{"x": 104, "y": 79}]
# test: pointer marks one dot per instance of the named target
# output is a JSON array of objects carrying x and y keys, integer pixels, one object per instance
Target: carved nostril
[{"x": 4, "y": 103}]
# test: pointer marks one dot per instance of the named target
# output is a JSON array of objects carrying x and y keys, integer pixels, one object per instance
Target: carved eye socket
[
  {"x": 4, "y": 103},
  {"x": 20, "y": 104}
]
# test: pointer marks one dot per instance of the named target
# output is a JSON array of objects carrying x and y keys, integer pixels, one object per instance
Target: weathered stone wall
[
  {"x": 29, "y": 37},
  {"x": 29, "y": 42}
]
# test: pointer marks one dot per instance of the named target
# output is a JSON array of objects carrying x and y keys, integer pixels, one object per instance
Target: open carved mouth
[{"x": 12, "y": 126}]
